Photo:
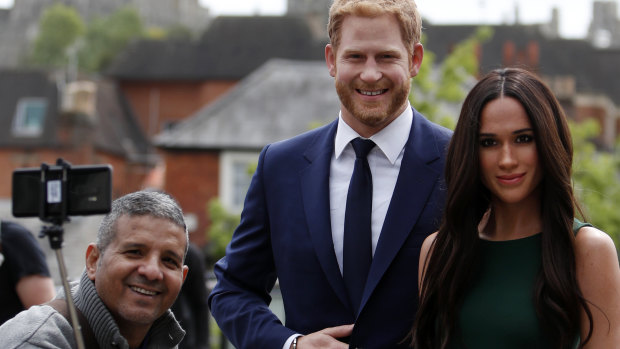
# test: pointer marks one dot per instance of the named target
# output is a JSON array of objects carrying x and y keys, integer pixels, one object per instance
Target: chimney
[
  {"x": 78, "y": 114},
  {"x": 517, "y": 16},
  {"x": 78, "y": 99},
  {"x": 554, "y": 25}
]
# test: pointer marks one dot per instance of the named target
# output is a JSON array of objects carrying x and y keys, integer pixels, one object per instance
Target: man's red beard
[{"x": 372, "y": 113}]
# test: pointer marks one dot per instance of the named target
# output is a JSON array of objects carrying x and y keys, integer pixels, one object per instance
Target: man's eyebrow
[
  {"x": 175, "y": 255},
  {"x": 350, "y": 51},
  {"x": 392, "y": 52},
  {"x": 132, "y": 245}
]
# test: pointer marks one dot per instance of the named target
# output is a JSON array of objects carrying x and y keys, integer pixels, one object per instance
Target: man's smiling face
[
  {"x": 140, "y": 273},
  {"x": 373, "y": 70}
]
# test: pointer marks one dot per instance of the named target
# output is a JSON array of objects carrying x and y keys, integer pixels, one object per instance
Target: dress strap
[{"x": 577, "y": 224}]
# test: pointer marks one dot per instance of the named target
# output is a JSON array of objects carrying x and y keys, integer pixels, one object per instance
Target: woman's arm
[
  {"x": 598, "y": 276},
  {"x": 425, "y": 255}
]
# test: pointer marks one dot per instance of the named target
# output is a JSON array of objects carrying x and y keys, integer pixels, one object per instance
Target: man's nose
[
  {"x": 151, "y": 268},
  {"x": 371, "y": 71}
]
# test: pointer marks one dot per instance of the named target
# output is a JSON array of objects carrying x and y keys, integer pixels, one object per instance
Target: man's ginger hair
[{"x": 405, "y": 12}]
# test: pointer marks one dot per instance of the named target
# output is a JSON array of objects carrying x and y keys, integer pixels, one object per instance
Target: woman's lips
[{"x": 511, "y": 179}]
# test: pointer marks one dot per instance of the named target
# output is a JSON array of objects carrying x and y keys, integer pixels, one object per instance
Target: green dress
[{"x": 498, "y": 311}]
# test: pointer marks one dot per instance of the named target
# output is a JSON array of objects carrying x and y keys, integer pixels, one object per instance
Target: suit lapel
[
  {"x": 415, "y": 183},
  {"x": 315, "y": 192}
]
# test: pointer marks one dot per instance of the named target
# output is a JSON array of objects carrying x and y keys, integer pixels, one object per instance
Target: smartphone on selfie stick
[{"x": 53, "y": 193}]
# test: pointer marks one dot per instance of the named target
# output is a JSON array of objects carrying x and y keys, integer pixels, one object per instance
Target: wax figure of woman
[{"x": 510, "y": 267}]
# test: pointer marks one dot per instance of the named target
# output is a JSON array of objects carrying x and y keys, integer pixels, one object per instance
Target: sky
[{"x": 575, "y": 15}]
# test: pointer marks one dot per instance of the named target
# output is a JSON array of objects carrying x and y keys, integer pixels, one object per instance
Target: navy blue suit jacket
[{"x": 285, "y": 233}]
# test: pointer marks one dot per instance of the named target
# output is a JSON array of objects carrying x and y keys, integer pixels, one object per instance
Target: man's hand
[{"x": 326, "y": 338}]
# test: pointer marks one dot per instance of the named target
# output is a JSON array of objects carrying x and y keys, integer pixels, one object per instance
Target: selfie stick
[{"x": 55, "y": 191}]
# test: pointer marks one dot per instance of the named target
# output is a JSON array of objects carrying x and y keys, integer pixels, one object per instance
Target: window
[
  {"x": 236, "y": 170},
  {"x": 29, "y": 117}
]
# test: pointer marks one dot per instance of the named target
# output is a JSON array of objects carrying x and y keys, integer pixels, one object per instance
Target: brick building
[
  {"x": 209, "y": 155},
  {"x": 43, "y": 119},
  {"x": 165, "y": 81},
  {"x": 168, "y": 82}
]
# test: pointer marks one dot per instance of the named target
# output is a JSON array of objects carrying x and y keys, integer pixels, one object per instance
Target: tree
[
  {"x": 445, "y": 85},
  {"x": 64, "y": 38},
  {"x": 179, "y": 32},
  {"x": 223, "y": 223},
  {"x": 59, "y": 27},
  {"x": 108, "y": 36},
  {"x": 596, "y": 179}
]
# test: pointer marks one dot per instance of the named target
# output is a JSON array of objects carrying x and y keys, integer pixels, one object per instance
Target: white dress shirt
[{"x": 384, "y": 161}]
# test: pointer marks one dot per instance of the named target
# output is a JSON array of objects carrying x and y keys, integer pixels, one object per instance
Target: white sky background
[{"x": 575, "y": 15}]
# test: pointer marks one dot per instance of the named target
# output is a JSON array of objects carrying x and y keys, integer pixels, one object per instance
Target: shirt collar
[{"x": 391, "y": 140}]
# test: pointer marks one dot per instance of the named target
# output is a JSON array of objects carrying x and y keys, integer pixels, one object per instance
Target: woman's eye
[
  {"x": 487, "y": 142},
  {"x": 525, "y": 138}
]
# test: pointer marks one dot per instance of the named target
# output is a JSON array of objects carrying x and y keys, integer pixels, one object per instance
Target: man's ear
[
  {"x": 330, "y": 59},
  {"x": 92, "y": 259},
  {"x": 185, "y": 270},
  {"x": 416, "y": 59}
]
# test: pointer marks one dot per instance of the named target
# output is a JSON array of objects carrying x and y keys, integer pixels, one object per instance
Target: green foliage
[
  {"x": 596, "y": 179},
  {"x": 423, "y": 87},
  {"x": 59, "y": 27},
  {"x": 179, "y": 32},
  {"x": 173, "y": 33},
  {"x": 108, "y": 36},
  {"x": 223, "y": 223},
  {"x": 445, "y": 84},
  {"x": 315, "y": 124},
  {"x": 98, "y": 43},
  {"x": 460, "y": 65}
]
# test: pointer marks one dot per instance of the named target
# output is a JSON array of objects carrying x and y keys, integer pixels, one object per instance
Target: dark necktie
[{"x": 357, "y": 250}]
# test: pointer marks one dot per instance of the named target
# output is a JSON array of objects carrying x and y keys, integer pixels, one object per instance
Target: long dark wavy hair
[{"x": 454, "y": 256}]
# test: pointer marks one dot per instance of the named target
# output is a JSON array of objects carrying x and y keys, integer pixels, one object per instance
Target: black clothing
[
  {"x": 191, "y": 308},
  {"x": 22, "y": 257}
]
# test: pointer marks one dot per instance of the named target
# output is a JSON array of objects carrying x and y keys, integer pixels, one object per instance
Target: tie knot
[{"x": 362, "y": 146}]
